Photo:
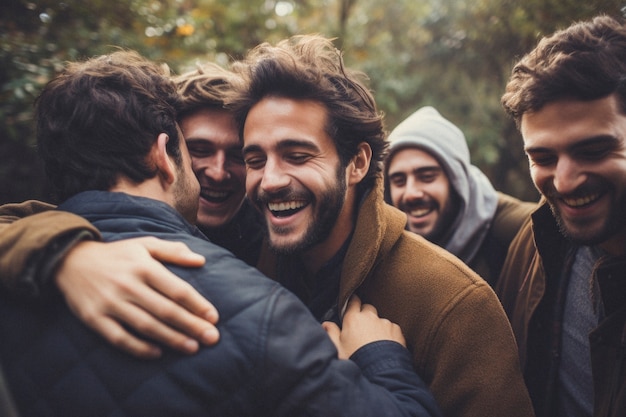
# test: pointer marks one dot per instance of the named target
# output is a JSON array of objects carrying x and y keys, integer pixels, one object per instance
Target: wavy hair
[
  {"x": 98, "y": 120},
  {"x": 309, "y": 67},
  {"x": 208, "y": 86},
  {"x": 586, "y": 61}
]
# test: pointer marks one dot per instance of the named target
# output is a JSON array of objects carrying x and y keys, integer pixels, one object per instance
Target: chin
[
  {"x": 212, "y": 222},
  {"x": 283, "y": 246}
]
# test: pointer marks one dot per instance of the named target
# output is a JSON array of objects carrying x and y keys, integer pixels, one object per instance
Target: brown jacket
[
  {"x": 31, "y": 232},
  {"x": 455, "y": 327},
  {"x": 510, "y": 214},
  {"x": 527, "y": 288}
]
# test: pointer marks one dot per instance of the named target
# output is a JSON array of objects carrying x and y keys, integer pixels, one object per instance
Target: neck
[{"x": 150, "y": 188}]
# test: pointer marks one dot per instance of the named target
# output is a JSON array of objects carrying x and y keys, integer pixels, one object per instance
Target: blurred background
[{"x": 455, "y": 55}]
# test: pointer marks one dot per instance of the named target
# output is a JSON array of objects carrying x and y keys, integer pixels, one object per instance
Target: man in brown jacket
[
  {"x": 313, "y": 147},
  {"x": 564, "y": 281}
]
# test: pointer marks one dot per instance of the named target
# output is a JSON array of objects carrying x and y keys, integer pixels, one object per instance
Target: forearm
[
  {"x": 389, "y": 365},
  {"x": 308, "y": 379},
  {"x": 33, "y": 239}
]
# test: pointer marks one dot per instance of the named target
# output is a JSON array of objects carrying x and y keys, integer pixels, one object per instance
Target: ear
[
  {"x": 359, "y": 164},
  {"x": 164, "y": 164}
]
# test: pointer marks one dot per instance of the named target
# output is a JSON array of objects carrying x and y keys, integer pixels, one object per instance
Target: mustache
[
  {"x": 286, "y": 194},
  {"x": 420, "y": 203},
  {"x": 585, "y": 189}
]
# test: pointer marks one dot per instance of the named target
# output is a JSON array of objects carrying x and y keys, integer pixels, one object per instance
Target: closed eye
[
  {"x": 200, "y": 151},
  {"x": 397, "y": 180},
  {"x": 298, "y": 158},
  {"x": 254, "y": 162},
  {"x": 541, "y": 158},
  {"x": 429, "y": 177}
]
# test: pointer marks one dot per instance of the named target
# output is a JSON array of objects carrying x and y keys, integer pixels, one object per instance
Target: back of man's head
[
  {"x": 97, "y": 121},
  {"x": 309, "y": 67}
]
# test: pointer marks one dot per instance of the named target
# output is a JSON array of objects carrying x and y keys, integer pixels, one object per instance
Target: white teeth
[
  {"x": 577, "y": 202},
  {"x": 289, "y": 205},
  {"x": 419, "y": 212},
  {"x": 216, "y": 194}
]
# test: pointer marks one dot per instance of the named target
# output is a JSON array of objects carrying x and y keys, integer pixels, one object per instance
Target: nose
[
  {"x": 414, "y": 190},
  {"x": 215, "y": 168},
  {"x": 274, "y": 176},
  {"x": 568, "y": 176}
]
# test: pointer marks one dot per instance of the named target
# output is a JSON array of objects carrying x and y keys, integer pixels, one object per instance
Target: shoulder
[
  {"x": 417, "y": 257},
  {"x": 510, "y": 215},
  {"x": 421, "y": 277}
]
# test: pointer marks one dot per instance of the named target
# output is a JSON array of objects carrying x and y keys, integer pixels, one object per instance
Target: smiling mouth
[
  {"x": 215, "y": 196},
  {"x": 286, "y": 208},
  {"x": 581, "y": 201},
  {"x": 420, "y": 212}
]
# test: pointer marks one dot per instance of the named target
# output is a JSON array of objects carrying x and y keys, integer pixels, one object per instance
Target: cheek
[
  {"x": 439, "y": 190},
  {"x": 238, "y": 173},
  {"x": 537, "y": 177},
  {"x": 198, "y": 164},
  {"x": 396, "y": 194},
  {"x": 252, "y": 181}
]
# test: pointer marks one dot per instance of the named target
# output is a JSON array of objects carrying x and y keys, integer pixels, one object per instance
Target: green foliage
[{"x": 453, "y": 54}]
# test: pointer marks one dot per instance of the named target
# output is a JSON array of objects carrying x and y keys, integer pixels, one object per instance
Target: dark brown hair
[
  {"x": 586, "y": 61},
  {"x": 98, "y": 120},
  {"x": 309, "y": 67}
]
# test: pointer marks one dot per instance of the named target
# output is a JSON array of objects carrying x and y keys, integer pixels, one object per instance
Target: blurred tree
[
  {"x": 452, "y": 54},
  {"x": 457, "y": 56},
  {"x": 37, "y": 37}
]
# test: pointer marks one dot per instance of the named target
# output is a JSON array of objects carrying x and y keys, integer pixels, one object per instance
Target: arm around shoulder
[{"x": 33, "y": 238}]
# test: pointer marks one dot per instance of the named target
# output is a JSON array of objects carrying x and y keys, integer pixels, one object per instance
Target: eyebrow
[
  {"x": 420, "y": 170},
  {"x": 284, "y": 144},
  {"x": 594, "y": 140}
]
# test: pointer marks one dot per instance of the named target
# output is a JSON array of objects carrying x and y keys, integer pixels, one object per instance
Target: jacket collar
[{"x": 378, "y": 227}]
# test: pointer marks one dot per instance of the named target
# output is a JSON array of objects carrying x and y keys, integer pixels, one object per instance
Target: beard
[
  {"x": 328, "y": 206},
  {"x": 584, "y": 233},
  {"x": 186, "y": 195},
  {"x": 442, "y": 230},
  {"x": 589, "y": 232}
]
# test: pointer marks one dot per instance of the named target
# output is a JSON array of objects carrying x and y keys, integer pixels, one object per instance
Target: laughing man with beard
[
  {"x": 563, "y": 283},
  {"x": 449, "y": 201},
  {"x": 313, "y": 145}
]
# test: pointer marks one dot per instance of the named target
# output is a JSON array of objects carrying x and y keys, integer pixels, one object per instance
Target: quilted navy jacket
[{"x": 273, "y": 358}]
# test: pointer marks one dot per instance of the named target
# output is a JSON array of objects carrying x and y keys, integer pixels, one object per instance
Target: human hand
[
  {"x": 361, "y": 325},
  {"x": 108, "y": 285}
]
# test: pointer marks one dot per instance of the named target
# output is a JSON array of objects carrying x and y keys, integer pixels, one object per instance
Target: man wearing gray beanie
[{"x": 449, "y": 201}]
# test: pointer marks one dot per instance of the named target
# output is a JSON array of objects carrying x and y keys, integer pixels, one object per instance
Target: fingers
[
  {"x": 119, "y": 337},
  {"x": 334, "y": 333},
  {"x": 176, "y": 253},
  {"x": 182, "y": 294},
  {"x": 148, "y": 326},
  {"x": 362, "y": 325},
  {"x": 111, "y": 286},
  {"x": 355, "y": 305},
  {"x": 175, "y": 310},
  {"x": 331, "y": 329}
]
